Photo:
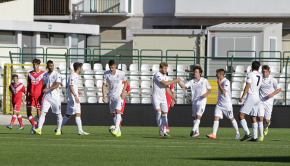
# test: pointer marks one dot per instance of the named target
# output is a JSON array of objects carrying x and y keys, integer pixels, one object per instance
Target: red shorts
[
  {"x": 16, "y": 107},
  {"x": 34, "y": 102}
]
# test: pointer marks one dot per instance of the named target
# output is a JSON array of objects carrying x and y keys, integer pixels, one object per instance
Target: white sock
[
  {"x": 196, "y": 125},
  {"x": 114, "y": 119},
  {"x": 79, "y": 124},
  {"x": 41, "y": 120},
  {"x": 245, "y": 126},
  {"x": 164, "y": 122},
  {"x": 268, "y": 124},
  {"x": 158, "y": 120},
  {"x": 64, "y": 119},
  {"x": 235, "y": 125},
  {"x": 59, "y": 122},
  {"x": 215, "y": 127},
  {"x": 255, "y": 130},
  {"x": 117, "y": 124}
]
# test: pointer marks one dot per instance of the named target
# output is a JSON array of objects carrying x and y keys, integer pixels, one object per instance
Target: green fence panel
[{"x": 24, "y": 48}]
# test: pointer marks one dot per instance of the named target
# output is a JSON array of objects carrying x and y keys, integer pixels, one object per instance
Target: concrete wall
[
  {"x": 153, "y": 6},
  {"x": 19, "y": 10},
  {"x": 5, "y": 52},
  {"x": 232, "y": 7},
  {"x": 167, "y": 42}
]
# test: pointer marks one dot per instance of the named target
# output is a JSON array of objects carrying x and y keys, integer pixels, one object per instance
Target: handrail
[
  {"x": 182, "y": 51},
  {"x": 55, "y": 48},
  {"x": 271, "y": 52},
  {"x": 154, "y": 50},
  {"x": 132, "y": 54},
  {"x": 31, "y": 53},
  {"x": 240, "y": 51}
]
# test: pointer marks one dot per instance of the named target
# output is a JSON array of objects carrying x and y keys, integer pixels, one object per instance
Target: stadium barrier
[{"x": 178, "y": 116}]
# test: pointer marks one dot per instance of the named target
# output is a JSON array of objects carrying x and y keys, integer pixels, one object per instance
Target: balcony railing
[
  {"x": 51, "y": 7},
  {"x": 110, "y": 6}
]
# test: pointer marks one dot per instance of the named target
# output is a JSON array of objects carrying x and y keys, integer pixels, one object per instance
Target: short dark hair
[
  {"x": 222, "y": 71},
  {"x": 48, "y": 62},
  {"x": 37, "y": 61},
  {"x": 111, "y": 62},
  {"x": 255, "y": 65},
  {"x": 77, "y": 65},
  {"x": 163, "y": 64},
  {"x": 266, "y": 67},
  {"x": 14, "y": 75},
  {"x": 199, "y": 68}
]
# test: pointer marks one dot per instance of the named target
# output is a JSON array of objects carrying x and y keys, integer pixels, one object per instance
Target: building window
[
  {"x": 45, "y": 39},
  {"x": 58, "y": 39},
  {"x": 7, "y": 37}
]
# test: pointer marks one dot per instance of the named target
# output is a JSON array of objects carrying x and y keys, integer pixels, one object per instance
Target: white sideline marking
[{"x": 195, "y": 143}]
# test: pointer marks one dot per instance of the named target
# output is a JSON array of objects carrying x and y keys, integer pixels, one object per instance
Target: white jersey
[
  {"x": 255, "y": 79},
  {"x": 224, "y": 100},
  {"x": 50, "y": 80},
  {"x": 198, "y": 88},
  {"x": 72, "y": 80},
  {"x": 115, "y": 82},
  {"x": 158, "y": 88},
  {"x": 268, "y": 86}
]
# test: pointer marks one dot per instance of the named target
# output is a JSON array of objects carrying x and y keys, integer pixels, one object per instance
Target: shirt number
[{"x": 258, "y": 80}]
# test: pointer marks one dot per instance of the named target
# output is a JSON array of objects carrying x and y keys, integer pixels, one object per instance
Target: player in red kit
[
  {"x": 34, "y": 91},
  {"x": 123, "y": 103},
  {"x": 170, "y": 102},
  {"x": 16, "y": 88}
]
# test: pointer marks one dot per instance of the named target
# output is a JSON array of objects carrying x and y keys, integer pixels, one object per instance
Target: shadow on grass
[{"x": 250, "y": 159}]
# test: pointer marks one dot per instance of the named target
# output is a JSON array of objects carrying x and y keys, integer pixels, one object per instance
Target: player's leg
[
  {"x": 45, "y": 107},
  {"x": 229, "y": 113},
  {"x": 56, "y": 109},
  {"x": 254, "y": 128},
  {"x": 12, "y": 119},
  {"x": 217, "y": 115},
  {"x": 167, "y": 127},
  {"x": 194, "y": 109},
  {"x": 268, "y": 114},
  {"x": 199, "y": 112},
  {"x": 30, "y": 103},
  {"x": 19, "y": 117},
  {"x": 69, "y": 112},
  {"x": 157, "y": 108},
  {"x": 77, "y": 110},
  {"x": 164, "y": 111},
  {"x": 114, "y": 117},
  {"x": 245, "y": 109},
  {"x": 38, "y": 109},
  {"x": 117, "y": 107}
]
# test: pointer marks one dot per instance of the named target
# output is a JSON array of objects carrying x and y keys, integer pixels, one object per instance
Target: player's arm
[
  {"x": 128, "y": 90},
  {"x": 181, "y": 85},
  {"x": 51, "y": 88},
  {"x": 277, "y": 87},
  {"x": 245, "y": 92},
  {"x": 171, "y": 94},
  {"x": 28, "y": 90},
  {"x": 172, "y": 101},
  {"x": 221, "y": 87},
  {"x": 104, "y": 91},
  {"x": 208, "y": 87},
  {"x": 71, "y": 88},
  {"x": 166, "y": 83},
  {"x": 123, "y": 95}
]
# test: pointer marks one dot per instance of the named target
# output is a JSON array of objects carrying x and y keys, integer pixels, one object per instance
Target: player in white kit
[
  {"x": 224, "y": 104},
  {"x": 199, "y": 95},
  {"x": 116, "y": 93},
  {"x": 51, "y": 81},
  {"x": 160, "y": 86},
  {"x": 269, "y": 88},
  {"x": 251, "y": 104},
  {"x": 73, "y": 102}
]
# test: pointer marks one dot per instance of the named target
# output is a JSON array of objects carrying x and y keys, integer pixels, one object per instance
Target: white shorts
[
  {"x": 73, "y": 108},
  {"x": 160, "y": 104},
  {"x": 251, "y": 105},
  {"x": 54, "y": 104},
  {"x": 198, "y": 110},
  {"x": 227, "y": 111},
  {"x": 115, "y": 104},
  {"x": 265, "y": 110}
]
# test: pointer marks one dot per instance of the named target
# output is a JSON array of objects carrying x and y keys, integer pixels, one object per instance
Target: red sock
[
  {"x": 13, "y": 120},
  {"x": 20, "y": 120},
  {"x": 167, "y": 127},
  {"x": 31, "y": 121}
]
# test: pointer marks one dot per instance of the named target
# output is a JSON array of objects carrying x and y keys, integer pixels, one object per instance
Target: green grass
[{"x": 140, "y": 146}]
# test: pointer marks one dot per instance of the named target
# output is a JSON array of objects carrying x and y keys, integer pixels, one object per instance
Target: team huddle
[{"x": 43, "y": 93}]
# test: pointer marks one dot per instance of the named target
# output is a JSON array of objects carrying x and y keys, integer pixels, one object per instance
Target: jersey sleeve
[
  {"x": 23, "y": 90},
  {"x": 207, "y": 84},
  {"x": 124, "y": 78},
  {"x": 275, "y": 84},
  {"x": 159, "y": 77},
  {"x": 226, "y": 86},
  {"x": 72, "y": 80},
  {"x": 128, "y": 88},
  {"x": 28, "y": 79},
  {"x": 58, "y": 78},
  {"x": 188, "y": 84},
  {"x": 104, "y": 78},
  {"x": 248, "y": 79}
]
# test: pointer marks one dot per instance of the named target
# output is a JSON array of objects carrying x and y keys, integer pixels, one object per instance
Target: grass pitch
[{"x": 140, "y": 146}]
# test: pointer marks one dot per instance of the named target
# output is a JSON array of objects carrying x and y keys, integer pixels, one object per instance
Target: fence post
[
  {"x": 286, "y": 80},
  {"x": 176, "y": 70},
  {"x": 231, "y": 76}
]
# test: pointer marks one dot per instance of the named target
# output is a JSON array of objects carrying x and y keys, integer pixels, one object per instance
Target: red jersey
[
  {"x": 17, "y": 90},
  {"x": 36, "y": 82},
  {"x": 168, "y": 98}
]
